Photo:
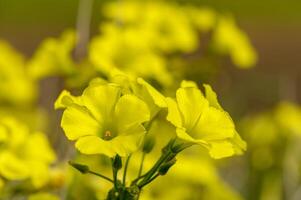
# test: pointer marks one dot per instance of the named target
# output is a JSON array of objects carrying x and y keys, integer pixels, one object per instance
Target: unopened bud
[
  {"x": 82, "y": 168},
  {"x": 148, "y": 145},
  {"x": 117, "y": 162},
  {"x": 166, "y": 166}
]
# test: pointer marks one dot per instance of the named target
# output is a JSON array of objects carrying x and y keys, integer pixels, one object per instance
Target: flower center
[{"x": 107, "y": 135}]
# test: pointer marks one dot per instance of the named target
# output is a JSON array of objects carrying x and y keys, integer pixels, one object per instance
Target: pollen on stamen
[{"x": 108, "y": 134}]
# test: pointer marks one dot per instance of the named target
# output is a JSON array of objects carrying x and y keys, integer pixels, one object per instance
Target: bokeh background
[{"x": 273, "y": 26}]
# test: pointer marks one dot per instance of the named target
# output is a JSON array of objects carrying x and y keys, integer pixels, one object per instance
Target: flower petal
[
  {"x": 130, "y": 111},
  {"x": 65, "y": 99},
  {"x": 122, "y": 145},
  {"x": 156, "y": 96},
  {"x": 38, "y": 148},
  {"x": 100, "y": 99},
  {"x": 95, "y": 145},
  {"x": 78, "y": 122},
  {"x": 186, "y": 83},
  {"x": 192, "y": 104},
  {"x": 212, "y": 97},
  {"x": 127, "y": 143},
  {"x": 214, "y": 124},
  {"x": 39, "y": 173},
  {"x": 11, "y": 167},
  {"x": 238, "y": 144},
  {"x": 182, "y": 134},
  {"x": 173, "y": 115},
  {"x": 221, "y": 149}
]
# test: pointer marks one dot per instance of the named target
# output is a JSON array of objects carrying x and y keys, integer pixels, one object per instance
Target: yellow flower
[
  {"x": 107, "y": 52},
  {"x": 139, "y": 87},
  {"x": 24, "y": 155},
  {"x": 288, "y": 115},
  {"x": 14, "y": 78},
  {"x": 103, "y": 121},
  {"x": 200, "y": 120},
  {"x": 229, "y": 39},
  {"x": 165, "y": 23},
  {"x": 53, "y": 57},
  {"x": 43, "y": 196},
  {"x": 203, "y": 18}
]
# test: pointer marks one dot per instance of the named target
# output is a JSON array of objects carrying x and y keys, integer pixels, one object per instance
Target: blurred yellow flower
[
  {"x": 165, "y": 26},
  {"x": 229, "y": 39},
  {"x": 124, "y": 49},
  {"x": 288, "y": 115},
  {"x": 43, "y": 196},
  {"x": 24, "y": 155},
  {"x": 53, "y": 57},
  {"x": 13, "y": 77}
]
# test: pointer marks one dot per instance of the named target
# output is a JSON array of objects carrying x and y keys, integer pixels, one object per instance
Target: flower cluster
[
  {"x": 119, "y": 116},
  {"x": 113, "y": 118},
  {"x": 148, "y": 34},
  {"x": 20, "y": 158}
]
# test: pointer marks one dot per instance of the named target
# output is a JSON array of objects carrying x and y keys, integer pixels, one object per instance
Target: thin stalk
[
  {"x": 150, "y": 180},
  {"x": 141, "y": 165},
  {"x": 155, "y": 168},
  {"x": 161, "y": 160},
  {"x": 101, "y": 176},
  {"x": 114, "y": 176},
  {"x": 125, "y": 169},
  {"x": 138, "y": 178}
]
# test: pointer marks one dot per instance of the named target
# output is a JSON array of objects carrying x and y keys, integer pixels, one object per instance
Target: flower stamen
[{"x": 108, "y": 135}]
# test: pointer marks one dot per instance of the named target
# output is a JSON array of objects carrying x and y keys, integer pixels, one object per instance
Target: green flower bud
[
  {"x": 84, "y": 169},
  {"x": 117, "y": 162},
  {"x": 166, "y": 166},
  {"x": 149, "y": 144},
  {"x": 168, "y": 146}
]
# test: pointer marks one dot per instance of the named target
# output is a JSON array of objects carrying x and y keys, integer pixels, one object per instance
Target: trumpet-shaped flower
[
  {"x": 103, "y": 121},
  {"x": 201, "y": 120}
]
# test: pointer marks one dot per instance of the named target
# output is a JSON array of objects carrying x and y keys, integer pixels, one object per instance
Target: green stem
[
  {"x": 150, "y": 180},
  {"x": 115, "y": 171},
  {"x": 141, "y": 165},
  {"x": 101, "y": 176},
  {"x": 154, "y": 168},
  {"x": 125, "y": 169},
  {"x": 138, "y": 178},
  {"x": 170, "y": 150}
]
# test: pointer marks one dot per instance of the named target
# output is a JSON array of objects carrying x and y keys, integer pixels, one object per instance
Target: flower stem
[
  {"x": 85, "y": 170},
  {"x": 101, "y": 176},
  {"x": 115, "y": 171},
  {"x": 150, "y": 180},
  {"x": 168, "y": 152},
  {"x": 141, "y": 165},
  {"x": 153, "y": 170},
  {"x": 125, "y": 169}
]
